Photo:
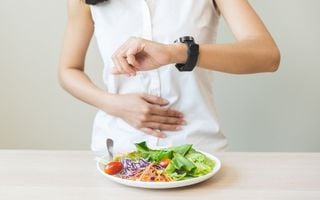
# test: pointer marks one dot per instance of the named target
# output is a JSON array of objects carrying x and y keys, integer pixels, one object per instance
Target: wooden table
[{"x": 72, "y": 175}]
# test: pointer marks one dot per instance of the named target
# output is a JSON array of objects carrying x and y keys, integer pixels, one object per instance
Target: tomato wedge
[
  {"x": 165, "y": 162},
  {"x": 113, "y": 167}
]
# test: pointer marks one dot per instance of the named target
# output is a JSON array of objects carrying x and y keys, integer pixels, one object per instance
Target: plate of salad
[{"x": 161, "y": 168}]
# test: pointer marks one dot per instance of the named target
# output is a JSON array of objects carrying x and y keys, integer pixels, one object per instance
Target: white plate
[{"x": 163, "y": 185}]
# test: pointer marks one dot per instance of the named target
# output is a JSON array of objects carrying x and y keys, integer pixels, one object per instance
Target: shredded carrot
[{"x": 151, "y": 174}]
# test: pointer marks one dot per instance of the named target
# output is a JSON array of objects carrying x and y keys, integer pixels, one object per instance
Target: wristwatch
[{"x": 193, "y": 53}]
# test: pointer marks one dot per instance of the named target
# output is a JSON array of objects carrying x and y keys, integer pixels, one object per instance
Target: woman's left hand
[{"x": 138, "y": 54}]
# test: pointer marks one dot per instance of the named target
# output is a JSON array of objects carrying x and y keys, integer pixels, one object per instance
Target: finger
[
  {"x": 160, "y": 126},
  {"x": 125, "y": 66},
  {"x": 120, "y": 67},
  {"x": 120, "y": 62},
  {"x": 132, "y": 52},
  {"x": 117, "y": 69},
  {"x": 155, "y": 99},
  {"x": 165, "y": 111},
  {"x": 152, "y": 132},
  {"x": 133, "y": 61},
  {"x": 166, "y": 120}
]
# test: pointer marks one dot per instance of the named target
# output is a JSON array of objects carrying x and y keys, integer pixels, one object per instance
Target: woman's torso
[{"x": 189, "y": 92}]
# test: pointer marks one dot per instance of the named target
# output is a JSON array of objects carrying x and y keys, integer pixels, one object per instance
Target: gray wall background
[{"x": 264, "y": 112}]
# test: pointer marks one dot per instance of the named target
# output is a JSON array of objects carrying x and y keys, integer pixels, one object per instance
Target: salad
[{"x": 162, "y": 165}]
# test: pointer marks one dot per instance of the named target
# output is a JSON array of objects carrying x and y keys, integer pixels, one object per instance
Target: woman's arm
[
  {"x": 253, "y": 51},
  {"x": 71, "y": 71},
  {"x": 143, "y": 111}
]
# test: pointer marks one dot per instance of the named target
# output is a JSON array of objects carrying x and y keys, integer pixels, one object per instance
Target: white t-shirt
[{"x": 189, "y": 92}]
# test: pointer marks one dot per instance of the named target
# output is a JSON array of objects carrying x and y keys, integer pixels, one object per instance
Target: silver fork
[{"x": 109, "y": 143}]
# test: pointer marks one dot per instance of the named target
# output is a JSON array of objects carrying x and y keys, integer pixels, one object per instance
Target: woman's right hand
[{"x": 147, "y": 113}]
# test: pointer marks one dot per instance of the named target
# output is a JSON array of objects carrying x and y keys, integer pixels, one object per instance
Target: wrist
[
  {"x": 109, "y": 104},
  {"x": 178, "y": 53}
]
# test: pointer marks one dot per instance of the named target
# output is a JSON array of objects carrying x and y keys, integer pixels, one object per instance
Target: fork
[{"x": 109, "y": 143}]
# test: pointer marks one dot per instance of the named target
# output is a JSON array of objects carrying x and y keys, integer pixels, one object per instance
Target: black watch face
[
  {"x": 184, "y": 39},
  {"x": 187, "y": 38}
]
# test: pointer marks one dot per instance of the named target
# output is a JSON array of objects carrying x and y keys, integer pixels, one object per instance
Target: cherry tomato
[
  {"x": 113, "y": 167},
  {"x": 165, "y": 162}
]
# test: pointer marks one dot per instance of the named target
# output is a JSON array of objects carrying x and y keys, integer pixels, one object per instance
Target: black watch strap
[{"x": 193, "y": 53}]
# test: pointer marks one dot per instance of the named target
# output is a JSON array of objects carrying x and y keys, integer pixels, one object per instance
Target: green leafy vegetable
[
  {"x": 135, "y": 155},
  {"x": 185, "y": 161},
  {"x": 142, "y": 147},
  {"x": 203, "y": 164},
  {"x": 182, "y": 149},
  {"x": 181, "y": 162},
  {"x": 179, "y": 167},
  {"x": 153, "y": 155}
]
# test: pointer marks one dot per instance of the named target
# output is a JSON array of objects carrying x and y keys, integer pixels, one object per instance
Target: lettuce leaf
[
  {"x": 203, "y": 164},
  {"x": 152, "y": 155},
  {"x": 181, "y": 162},
  {"x": 158, "y": 155},
  {"x": 179, "y": 167},
  {"x": 185, "y": 161},
  {"x": 135, "y": 155},
  {"x": 182, "y": 149}
]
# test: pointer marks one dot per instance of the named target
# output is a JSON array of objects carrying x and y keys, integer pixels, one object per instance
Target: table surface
[{"x": 26, "y": 174}]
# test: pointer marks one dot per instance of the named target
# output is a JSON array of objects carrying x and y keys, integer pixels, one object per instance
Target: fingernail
[
  {"x": 184, "y": 122},
  {"x": 180, "y": 115},
  {"x": 178, "y": 128},
  {"x": 165, "y": 101}
]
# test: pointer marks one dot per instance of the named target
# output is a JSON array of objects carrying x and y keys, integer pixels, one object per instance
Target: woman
[{"x": 157, "y": 90}]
